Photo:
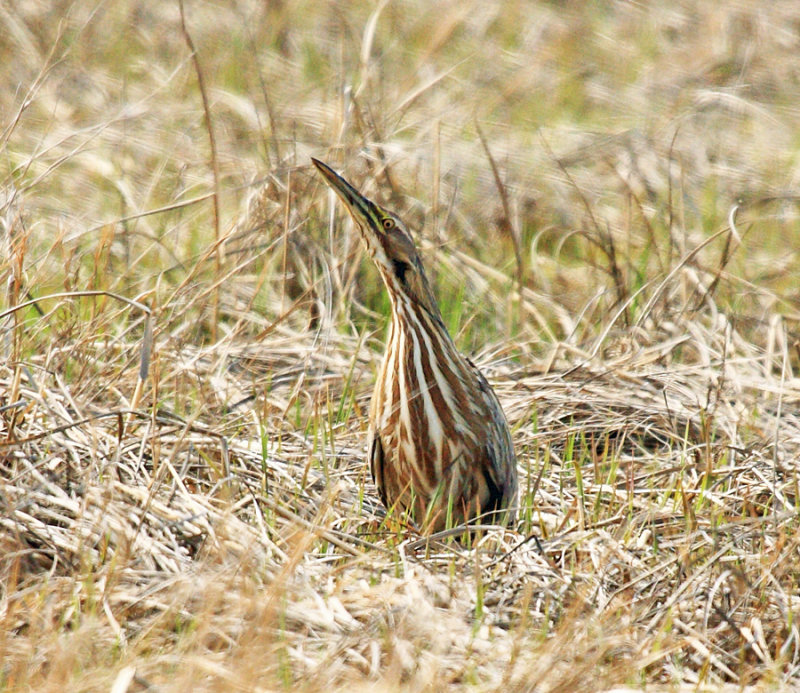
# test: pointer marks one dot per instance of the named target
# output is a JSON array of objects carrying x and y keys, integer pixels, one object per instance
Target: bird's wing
[{"x": 499, "y": 461}]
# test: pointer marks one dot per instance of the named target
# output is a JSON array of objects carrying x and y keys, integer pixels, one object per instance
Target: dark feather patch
[
  {"x": 400, "y": 269},
  {"x": 376, "y": 462},
  {"x": 495, "y": 499}
]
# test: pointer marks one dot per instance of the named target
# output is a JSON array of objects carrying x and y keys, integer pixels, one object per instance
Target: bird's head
[{"x": 388, "y": 242}]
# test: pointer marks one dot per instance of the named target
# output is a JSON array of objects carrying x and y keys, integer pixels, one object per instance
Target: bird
[{"x": 440, "y": 448}]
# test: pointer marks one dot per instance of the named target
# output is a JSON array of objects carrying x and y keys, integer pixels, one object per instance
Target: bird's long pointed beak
[{"x": 361, "y": 208}]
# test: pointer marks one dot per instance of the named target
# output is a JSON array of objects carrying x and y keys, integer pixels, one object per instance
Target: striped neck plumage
[{"x": 412, "y": 299}]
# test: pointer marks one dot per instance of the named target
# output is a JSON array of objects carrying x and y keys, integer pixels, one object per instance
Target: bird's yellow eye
[{"x": 388, "y": 224}]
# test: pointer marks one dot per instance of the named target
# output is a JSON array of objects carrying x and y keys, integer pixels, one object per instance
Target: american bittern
[{"x": 440, "y": 448}]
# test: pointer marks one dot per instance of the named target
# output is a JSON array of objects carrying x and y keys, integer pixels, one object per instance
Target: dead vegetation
[{"x": 189, "y": 338}]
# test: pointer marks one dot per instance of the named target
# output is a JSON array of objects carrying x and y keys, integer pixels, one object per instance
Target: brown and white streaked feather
[
  {"x": 440, "y": 446},
  {"x": 476, "y": 466}
]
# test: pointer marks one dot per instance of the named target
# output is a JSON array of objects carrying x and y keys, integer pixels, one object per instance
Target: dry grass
[{"x": 190, "y": 332}]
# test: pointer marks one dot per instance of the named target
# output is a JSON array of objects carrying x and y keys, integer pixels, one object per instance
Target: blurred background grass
[{"x": 614, "y": 126}]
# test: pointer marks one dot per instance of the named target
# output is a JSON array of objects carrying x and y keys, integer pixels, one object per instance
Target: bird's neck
[
  {"x": 413, "y": 298},
  {"x": 415, "y": 317}
]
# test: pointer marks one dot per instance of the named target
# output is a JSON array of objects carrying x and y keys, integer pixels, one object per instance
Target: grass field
[{"x": 607, "y": 199}]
